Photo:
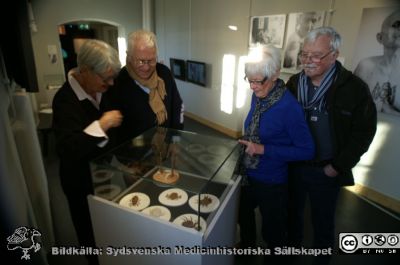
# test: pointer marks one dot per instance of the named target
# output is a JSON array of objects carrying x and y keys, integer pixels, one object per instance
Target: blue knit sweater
[{"x": 286, "y": 137}]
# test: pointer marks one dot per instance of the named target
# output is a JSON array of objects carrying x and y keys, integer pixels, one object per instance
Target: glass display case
[{"x": 177, "y": 182}]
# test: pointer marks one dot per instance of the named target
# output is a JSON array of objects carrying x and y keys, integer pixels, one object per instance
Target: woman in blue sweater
[{"x": 275, "y": 134}]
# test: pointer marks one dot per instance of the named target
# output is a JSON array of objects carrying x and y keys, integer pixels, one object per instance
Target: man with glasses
[
  {"x": 145, "y": 91},
  {"x": 342, "y": 117},
  {"x": 381, "y": 72},
  {"x": 83, "y": 123}
]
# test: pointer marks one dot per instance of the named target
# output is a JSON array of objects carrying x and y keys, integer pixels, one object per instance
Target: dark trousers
[
  {"x": 80, "y": 216},
  {"x": 272, "y": 203},
  {"x": 323, "y": 192}
]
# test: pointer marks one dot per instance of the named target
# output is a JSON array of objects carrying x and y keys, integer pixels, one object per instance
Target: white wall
[
  {"x": 48, "y": 14},
  {"x": 377, "y": 168},
  {"x": 197, "y": 30}
]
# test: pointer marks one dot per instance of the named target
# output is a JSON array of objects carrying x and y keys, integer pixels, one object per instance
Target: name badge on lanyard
[{"x": 313, "y": 118}]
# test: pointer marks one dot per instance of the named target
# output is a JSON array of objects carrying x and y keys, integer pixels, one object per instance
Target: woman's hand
[
  {"x": 110, "y": 119},
  {"x": 253, "y": 148}
]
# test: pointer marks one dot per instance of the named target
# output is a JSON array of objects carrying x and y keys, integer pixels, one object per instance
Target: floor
[{"x": 354, "y": 214}]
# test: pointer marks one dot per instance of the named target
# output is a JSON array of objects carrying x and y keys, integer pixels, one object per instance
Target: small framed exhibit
[
  {"x": 196, "y": 72},
  {"x": 267, "y": 30},
  {"x": 178, "y": 68}
]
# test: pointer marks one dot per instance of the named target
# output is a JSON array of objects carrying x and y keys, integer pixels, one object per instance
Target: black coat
[
  {"x": 352, "y": 118},
  {"x": 133, "y": 103},
  {"x": 74, "y": 147}
]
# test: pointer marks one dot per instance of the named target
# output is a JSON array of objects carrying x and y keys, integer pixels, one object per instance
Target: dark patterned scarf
[{"x": 252, "y": 131}]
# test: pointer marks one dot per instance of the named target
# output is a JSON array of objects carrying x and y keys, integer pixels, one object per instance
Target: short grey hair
[
  {"x": 148, "y": 38},
  {"x": 335, "y": 41},
  {"x": 268, "y": 64},
  {"x": 98, "y": 56}
]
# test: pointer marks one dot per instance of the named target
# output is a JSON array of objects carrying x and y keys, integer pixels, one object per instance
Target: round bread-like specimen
[{"x": 166, "y": 176}]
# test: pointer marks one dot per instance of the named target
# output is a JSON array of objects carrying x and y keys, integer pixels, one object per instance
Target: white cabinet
[{"x": 149, "y": 229}]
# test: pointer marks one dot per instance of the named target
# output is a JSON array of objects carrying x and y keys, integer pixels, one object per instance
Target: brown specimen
[
  {"x": 205, "y": 201},
  {"x": 188, "y": 222},
  {"x": 135, "y": 201},
  {"x": 173, "y": 196}
]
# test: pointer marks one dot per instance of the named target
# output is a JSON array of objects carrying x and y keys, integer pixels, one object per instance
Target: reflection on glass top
[{"x": 172, "y": 158}]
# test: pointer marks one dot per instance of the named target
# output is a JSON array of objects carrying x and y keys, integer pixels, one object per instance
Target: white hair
[
  {"x": 98, "y": 56},
  {"x": 147, "y": 37},
  {"x": 335, "y": 41},
  {"x": 264, "y": 60}
]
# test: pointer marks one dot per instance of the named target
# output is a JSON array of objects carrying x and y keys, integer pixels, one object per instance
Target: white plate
[
  {"x": 173, "y": 197},
  {"x": 180, "y": 220},
  {"x": 102, "y": 175},
  {"x": 107, "y": 191},
  {"x": 196, "y": 148},
  {"x": 208, "y": 159},
  {"x": 212, "y": 206},
  {"x": 218, "y": 150},
  {"x": 158, "y": 211},
  {"x": 142, "y": 202}
]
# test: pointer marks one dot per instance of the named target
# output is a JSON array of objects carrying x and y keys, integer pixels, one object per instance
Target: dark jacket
[
  {"x": 133, "y": 103},
  {"x": 74, "y": 147},
  {"x": 353, "y": 119}
]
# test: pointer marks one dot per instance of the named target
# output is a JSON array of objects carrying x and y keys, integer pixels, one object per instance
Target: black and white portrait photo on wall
[
  {"x": 377, "y": 56},
  {"x": 299, "y": 24},
  {"x": 267, "y": 30}
]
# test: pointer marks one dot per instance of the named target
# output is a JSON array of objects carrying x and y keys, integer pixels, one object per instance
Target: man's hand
[{"x": 330, "y": 171}]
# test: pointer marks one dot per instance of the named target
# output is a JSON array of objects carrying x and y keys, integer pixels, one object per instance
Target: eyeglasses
[
  {"x": 106, "y": 80},
  {"x": 256, "y": 82},
  {"x": 151, "y": 62},
  {"x": 315, "y": 58}
]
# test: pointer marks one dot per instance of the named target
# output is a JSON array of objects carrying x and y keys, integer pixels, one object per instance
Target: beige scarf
[{"x": 157, "y": 93}]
